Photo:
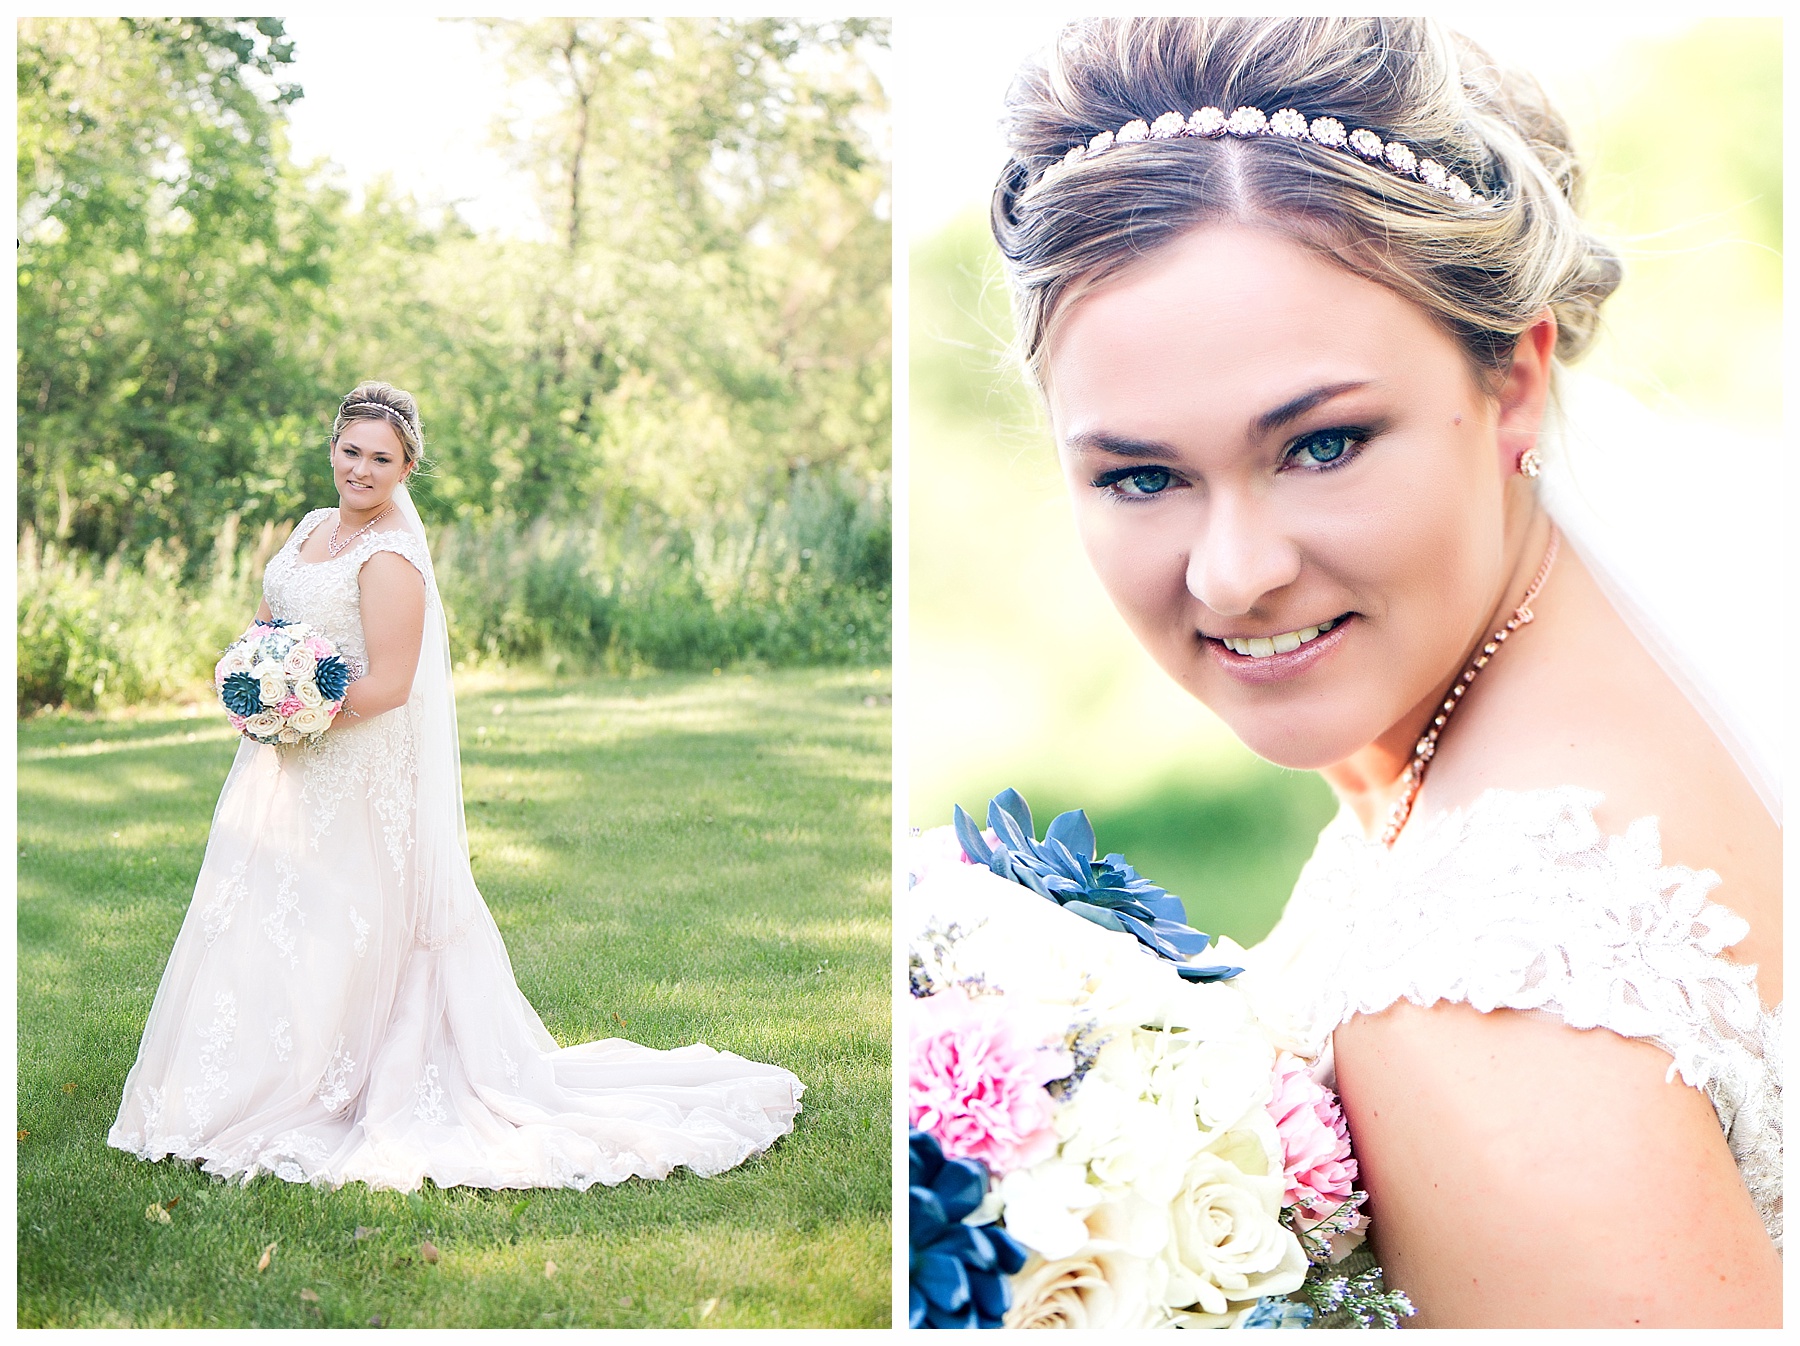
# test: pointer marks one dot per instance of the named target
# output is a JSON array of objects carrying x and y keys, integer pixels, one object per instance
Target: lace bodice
[
  {"x": 1521, "y": 902},
  {"x": 327, "y": 593},
  {"x": 375, "y": 758}
]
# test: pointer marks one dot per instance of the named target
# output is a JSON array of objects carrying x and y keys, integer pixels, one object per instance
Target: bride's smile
[{"x": 1292, "y": 483}]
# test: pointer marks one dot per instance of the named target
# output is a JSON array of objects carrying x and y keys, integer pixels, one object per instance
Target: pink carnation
[
  {"x": 291, "y": 705},
  {"x": 1315, "y": 1142},
  {"x": 317, "y": 646},
  {"x": 976, "y": 1081},
  {"x": 237, "y": 721}
]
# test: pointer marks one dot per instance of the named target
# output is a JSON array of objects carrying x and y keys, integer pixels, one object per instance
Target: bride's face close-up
[
  {"x": 1290, "y": 482},
  {"x": 368, "y": 460}
]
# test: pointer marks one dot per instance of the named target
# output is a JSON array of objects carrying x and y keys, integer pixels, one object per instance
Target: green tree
[{"x": 167, "y": 258}]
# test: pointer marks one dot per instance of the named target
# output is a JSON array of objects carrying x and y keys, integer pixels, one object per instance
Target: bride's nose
[{"x": 1237, "y": 556}]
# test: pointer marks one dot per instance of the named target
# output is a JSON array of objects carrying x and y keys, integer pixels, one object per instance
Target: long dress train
[{"x": 339, "y": 1005}]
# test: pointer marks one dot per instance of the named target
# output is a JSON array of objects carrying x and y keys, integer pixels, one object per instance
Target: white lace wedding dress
[
  {"x": 339, "y": 1005},
  {"x": 1521, "y": 902}
]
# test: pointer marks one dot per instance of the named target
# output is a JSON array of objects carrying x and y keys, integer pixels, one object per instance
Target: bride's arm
[
  {"x": 1524, "y": 1173},
  {"x": 393, "y": 617}
]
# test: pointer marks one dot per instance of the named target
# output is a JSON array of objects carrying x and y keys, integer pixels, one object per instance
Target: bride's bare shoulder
[
  {"x": 1579, "y": 701},
  {"x": 1564, "y": 1121}
]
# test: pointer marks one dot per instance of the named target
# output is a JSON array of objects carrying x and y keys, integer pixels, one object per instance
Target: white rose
[
  {"x": 288, "y": 735},
  {"x": 1228, "y": 1244},
  {"x": 264, "y": 724},
  {"x": 298, "y": 662},
  {"x": 312, "y": 720},
  {"x": 235, "y": 660},
  {"x": 273, "y": 688},
  {"x": 309, "y": 693}
]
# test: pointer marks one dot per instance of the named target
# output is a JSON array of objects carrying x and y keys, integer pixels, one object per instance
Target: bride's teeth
[{"x": 1262, "y": 647}]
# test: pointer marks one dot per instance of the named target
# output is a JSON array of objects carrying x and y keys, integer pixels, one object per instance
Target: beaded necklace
[{"x": 1423, "y": 751}]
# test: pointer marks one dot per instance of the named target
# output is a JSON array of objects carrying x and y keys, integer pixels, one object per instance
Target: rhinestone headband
[
  {"x": 356, "y": 411},
  {"x": 1287, "y": 124}
]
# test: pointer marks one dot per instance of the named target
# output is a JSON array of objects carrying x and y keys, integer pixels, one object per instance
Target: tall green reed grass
[{"x": 800, "y": 580}]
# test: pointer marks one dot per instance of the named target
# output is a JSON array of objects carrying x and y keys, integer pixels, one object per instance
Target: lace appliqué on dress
[
  {"x": 1521, "y": 902},
  {"x": 376, "y": 758}
]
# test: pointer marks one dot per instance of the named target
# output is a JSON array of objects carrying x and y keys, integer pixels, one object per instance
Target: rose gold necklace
[
  {"x": 1423, "y": 751},
  {"x": 333, "y": 547}
]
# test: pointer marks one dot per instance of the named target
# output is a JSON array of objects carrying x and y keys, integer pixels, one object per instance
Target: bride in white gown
[
  {"x": 1297, "y": 293},
  {"x": 339, "y": 1005}
]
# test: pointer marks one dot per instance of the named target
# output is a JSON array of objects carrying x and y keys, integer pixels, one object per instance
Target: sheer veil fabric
[
  {"x": 1682, "y": 529},
  {"x": 339, "y": 1005}
]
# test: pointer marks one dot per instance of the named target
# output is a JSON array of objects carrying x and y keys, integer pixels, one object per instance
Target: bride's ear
[{"x": 1525, "y": 390}]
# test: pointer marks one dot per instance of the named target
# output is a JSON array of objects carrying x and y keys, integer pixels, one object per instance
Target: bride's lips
[{"x": 1278, "y": 667}]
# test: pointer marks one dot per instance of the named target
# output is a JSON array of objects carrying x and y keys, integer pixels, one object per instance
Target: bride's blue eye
[
  {"x": 1325, "y": 449},
  {"x": 1135, "y": 481}
]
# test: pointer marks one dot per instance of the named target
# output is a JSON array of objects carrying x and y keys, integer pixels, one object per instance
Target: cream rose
[
  {"x": 299, "y": 662},
  {"x": 273, "y": 687},
  {"x": 288, "y": 735},
  {"x": 312, "y": 720},
  {"x": 309, "y": 694},
  {"x": 263, "y": 724},
  {"x": 1228, "y": 1244},
  {"x": 1094, "y": 1288}
]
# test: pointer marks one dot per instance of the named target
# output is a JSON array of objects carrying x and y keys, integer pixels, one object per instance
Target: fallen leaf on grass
[
  {"x": 707, "y": 1308},
  {"x": 549, "y": 1270},
  {"x": 23, "y": 1133},
  {"x": 155, "y": 1213},
  {"x": 309, "y": 1296},
  {"x": 171, "y": 1203},
  {"x": 69, "y": 1088},
  {"x": 262, "y": 1263},
  {"x": 364, "y": 1232},
  {"x": 428, "y": 1250},
  {"x": 623, "y": 1023}
]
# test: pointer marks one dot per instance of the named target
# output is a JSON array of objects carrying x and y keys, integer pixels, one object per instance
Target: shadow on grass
[{"x": 669, "y": 859}]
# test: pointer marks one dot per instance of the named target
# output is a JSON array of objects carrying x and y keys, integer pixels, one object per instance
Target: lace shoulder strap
[
  {"x": 302, "y": 530},
  {"x": 1521, "y": 902},
  {"x": 404, "y": 543}
]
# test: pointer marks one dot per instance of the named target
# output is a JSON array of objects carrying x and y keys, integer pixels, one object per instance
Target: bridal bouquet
[
  {"x": 1104, "y": 1134},
  {"x": 281, "y": 682}
]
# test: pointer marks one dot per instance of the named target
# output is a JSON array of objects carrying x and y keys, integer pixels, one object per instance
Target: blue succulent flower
[
  {"x": 958, "y": 1271},
  {"x": 242, "y": 695},
  {"x": 1278, "y": 1312},
  {"x": 1107, "y": 891},
  {"x": 331, "y": 676},
  {"x": 275, "y": 622}
]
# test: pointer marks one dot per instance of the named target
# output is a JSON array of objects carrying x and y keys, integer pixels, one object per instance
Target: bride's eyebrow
[
  {"x": 1299, "y": 406},
  {"x": 1120, "y": 446}
]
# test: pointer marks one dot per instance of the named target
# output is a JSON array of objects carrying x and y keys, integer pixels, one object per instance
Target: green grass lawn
[{"x": 669, "y": 859}]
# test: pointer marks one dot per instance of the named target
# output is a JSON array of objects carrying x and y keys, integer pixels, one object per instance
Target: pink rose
[
  {"x": 319, "y": 646},
  {"x": 976, "y": 1080},
  {"x": 290, "y": 705},
  {"x": 1315, "y": 1142}
]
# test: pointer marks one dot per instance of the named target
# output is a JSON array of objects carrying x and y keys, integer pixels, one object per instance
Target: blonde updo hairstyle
[
  {"x": 373, "y": 400},
  {"x": 1484, "y": 271}
]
